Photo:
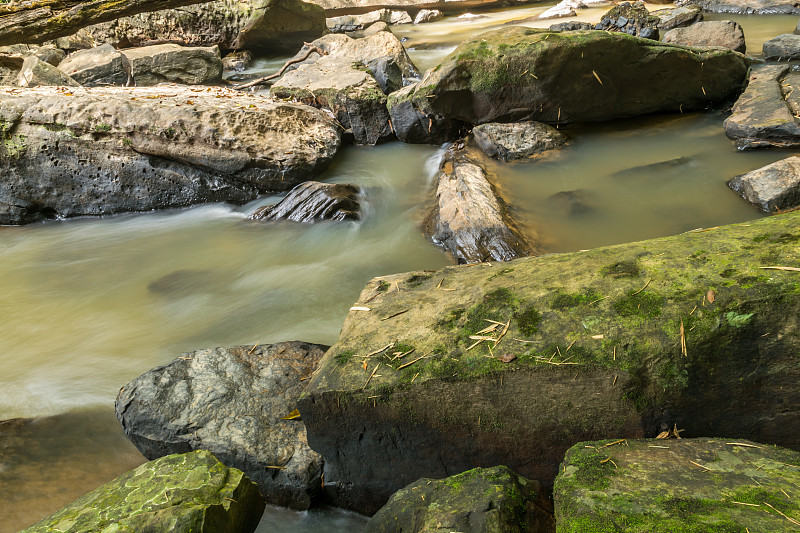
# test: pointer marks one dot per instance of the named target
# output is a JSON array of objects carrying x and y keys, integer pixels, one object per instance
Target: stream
[{"x": 89, "y": 304}]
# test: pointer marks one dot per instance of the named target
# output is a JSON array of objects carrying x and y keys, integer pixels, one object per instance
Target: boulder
[
  {"x": 726, "y": 33},
  {"x": 345, "y": 23},
  {"x": 420, "y": 127},
  {"x": 677, "y": 16},
  {"x": 520, "y": 73},
  {"x": 428, "y": 15},
  {"x": 179, "y": 493},
  {"x": 47, "y": 53},
  {"x": 237, "y": 61},
  {"x": 36, "y": 72},
  {"x": 233, "y": 402},
  {"x": 481, "y": 500},
  {"x": 772, "y": 188},
  {"x": 765, "y": 114},
  {"x": 98, "y": 66},
  {"x": 784, "y": 47},
  {"x": 657, "y": 172},
  {"x": 108, "y": 150},
  {"x": 263, "y": 26},
  {"x": 678, "y": 485},
  {"x": 469, "y": 219},
  {"x": 565, "y": 8},
  {"x": 160, "y": 63},
  {"x": 313, "y": 201},
  {"x": 517, "y": 140},
  {"x": 631, "y": 18},
  {"x": 80, "y": 40},
  {"x": 745, "y": 7},
  {"x": 512, "y": 363},
  {"x": 376, "y": 27}
]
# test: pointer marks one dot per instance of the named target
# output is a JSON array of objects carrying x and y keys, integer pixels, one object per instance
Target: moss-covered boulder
[
  {"x": 688, "y": 485},
  {"x": 520, "y": 73},
  {"x": 481, "y": 500},
  {"x": 190, "y": 492},
  {"x": 512, "y": 363}
]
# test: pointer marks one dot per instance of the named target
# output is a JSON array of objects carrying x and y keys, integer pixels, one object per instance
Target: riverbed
[{"x": 89, "y": 304}]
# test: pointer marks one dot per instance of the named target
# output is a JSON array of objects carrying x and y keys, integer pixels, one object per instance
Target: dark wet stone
[{"x": 313, "y": 201}]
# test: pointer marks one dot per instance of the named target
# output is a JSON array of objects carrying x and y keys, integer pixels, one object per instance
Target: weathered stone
[
  {"x": 313, "y": 201},
  {"x": 231, "y": 401},
  {"x": 376, "y": 27},
  {"x": 387, "y": 73},
  {"x": 745, "y": 7},
  {"x": 631, "y": 18},
  {"x": 80, "y": 40},
  {"x": 36, "y": 72},
  {"x": 517, "y": 140},
  {"x": 482, "y": 500},
  {"x": 571, "y": 26},
  {"x": 565, "y": 8},
  {"x": 771, "y": 188},
  {"x": 726, "y": 33},
  {"x": 345, "y": 23},
  {"x": 469, "y": 219},
  {"x": 618, "y": 309},
  {"x": 784, "y": 47},
  {"x": 519, "y": 73},
  {"x": 281, "y": 26},
  {"x": 677, "y": 17},
  {"x": 237, "y": 61},
  {"x": 178, "y": 493},
  {"x": 106, "y": 150},
  {"x": 98, "y": 66},
  {"x": 151, "y": 65},
  {"x": 418, "y": 127},
  {"x": 678, "y": 485},
  {"x": 763, "y": 115},
  {"x": 428, "y": 15}
]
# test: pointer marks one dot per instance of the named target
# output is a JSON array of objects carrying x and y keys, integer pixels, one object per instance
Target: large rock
[
  {"x": 784, "y": 47},
  {"x": 482, "y": 500},
  {"x": 178, "y": 493},
  {"x": 678, "y": 485},
  {"x": 411, "y": 125},
  {"x": 231, "y": 401},
  {"x": 698, "y": 330},
  {"x": 469, "y": 219},
  {"x": 151, "y": 65},
  {"x": 108, "y": 150},
  {"x": 517, "y": 140},
  {"x": 265, "y": 26},
  {"x": 631, "y": 18},
  {"x": 745, "y": 7},
  {"x": 36, "y": 72},
  {"x": 677, "y": 16},
  {"x": 556, "y": 77},
  {"x": 98, "y": 66},
  {"x": 428, "y": 15},
  {"x": 726, "y": 33},
  {"x": 765, "y": 115},
  {"x": 771, "y": 188},
  {"x": 313, "y": 201}
]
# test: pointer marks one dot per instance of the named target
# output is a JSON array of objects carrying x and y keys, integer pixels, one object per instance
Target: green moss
[
  {"x": 498, "y": 304},
  {"x": 643, "y": 304},
  {"x": 344, "y": 356},
  {"x": 728, "y": 273},
  {"x": 564, "y": 300},
  {"x": 528, "y": 320},
  {"x": 761, "y": 238},
  {"x": 501, "y": 272},
  {"x": 593, "y": 469},
  {"x": 416, "y": 280},
  {"x": 102, "y": 128},
  {"x": 452, "y": 318},
  {"x": 383, "y": 286},
  {"x": 737, "y": 320},
  {"x": 621, "y": 269}
]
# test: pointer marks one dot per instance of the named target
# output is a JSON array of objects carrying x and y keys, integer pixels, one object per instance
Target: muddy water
[{"x": 87, "y": 305}]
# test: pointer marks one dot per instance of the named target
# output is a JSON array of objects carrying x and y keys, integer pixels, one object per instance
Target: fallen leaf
[
  {"x": 507, "y": 357},
  {"x": 294, "y": 415},
  {"x": 710, "y": 296}
]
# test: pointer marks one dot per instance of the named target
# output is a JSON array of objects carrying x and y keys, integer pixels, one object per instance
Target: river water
[{"x": 87, "y": 305}]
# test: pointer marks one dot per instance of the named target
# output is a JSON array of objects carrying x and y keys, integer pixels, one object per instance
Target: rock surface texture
[
  {"x": 313, "y": 201},
  {"x": 151, "y": 65},
  {"x": 108, "y": 150},
  {"x": 726, "y": 33},
  {"x": 517, "y": 140},
  {"x": 468, "y": 218},
  {"x": 36, "y": 72},
  {"x": 677, "y": 16},
  {"x": 631, "y": 18},
  {"x": 482, "y": 500},
  {"x": 231, "y": 401},
  {"x": 678, "y": 485},
  {"x": 771, "y": 188},
  {"x": 784, "y": 47},
  {"x": 745, "y": 7},
  {"x": 98, "y": 66},
  {"x": 183, "y": 493},
  {"x": 567, "y": 347}
]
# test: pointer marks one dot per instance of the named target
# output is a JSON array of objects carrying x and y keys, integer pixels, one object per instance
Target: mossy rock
[
  {"x": 682, "y": 486},
  {"x": 191, "y": 492},
  {"x": 694, "y": 329}
]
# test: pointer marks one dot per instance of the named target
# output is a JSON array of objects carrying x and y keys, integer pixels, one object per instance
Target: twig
[
  {"x": 414, "y": 361},
  {"x": 701, "y": 466},
  {"x": 395, "y": 314},
  {"x": 791, "y": 269},
  {"x": 370, "y": 376},
  {"x": 376, "y": 352},
  {"x": 792, "y": 520},
  {"x": 595, "y": 301},
  {"x": 253, "y": 348},
  {"x": 643, "y": 288},
  {"x": 286, "y": 65}
]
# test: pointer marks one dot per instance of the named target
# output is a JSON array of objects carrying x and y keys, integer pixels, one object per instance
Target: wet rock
[
  {"x": 178, "y": 493},
  {"x": 231, "y": 401},
  {"x": 151, "y": 65},
  {"x": 565, "y": 8},
  {"x": 517, "y": 140},
  {"x": 387, "y": 73},
  {"x": 573, "y": 203},
  {"x": 725, "y": 33},
  {"x": 600, "y": 76},
  {"x": 631, "y": 18},
  {"x": 688, "y": 484},
  {"x": 771, "y": 188},
  {"x": 482, "y": 500},
  {"x": 108, "y": 150},
  {"x": 376, "y": 27},
  {"x": 98, "y": 66},
  {"x": 281, "y": 26},
  {"x": 784, "y": 47},
  {"x": 764, "y": 115},
  {"x": 237, "y": 61},
  {"x": 428, "y": 15},
  {"x": 411, "y": 125},
  {"x": 313, "y": 201},
  {"x": 521, "y": 403},
  {"x": 677, "y": 17},
  {"x": 745, "y": 7},
  {"x": 657, "y": 171},
  {"x": 469, "y": 219},
  {"x": 36, "y": 72},
  {"x": 571, "y": 26}
]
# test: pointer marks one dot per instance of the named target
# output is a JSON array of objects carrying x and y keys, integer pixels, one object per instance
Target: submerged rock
[
  {"x": 678, "y": 485},
  {"x": 573, "y": 203},
  {"x": 109, "y": 150},
  {"x": 179, "y": 493},
  {"x": 656, "y": 171},
  {"x": 98, "y": 66},
  {"x": 631, "y": 18},
  {"x": 772, "y": 188},
  {"x": 428, "y": 15},
  {"x": 517, "y": 140},
  {"x": 231, "y": 401},
  {"x": 574, "y": 347},
  {"x": 313, "y": 201},
  {"x": 784, "y": 47},
  {"x": 482, "y": 500},
  {"x": 469, "y": 219},
  {"x": 151, "y": 65},
  {"x": 726, "y": 33}
]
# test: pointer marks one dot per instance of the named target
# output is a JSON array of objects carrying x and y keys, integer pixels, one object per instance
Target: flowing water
[{"x": 87, "y": 305}]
